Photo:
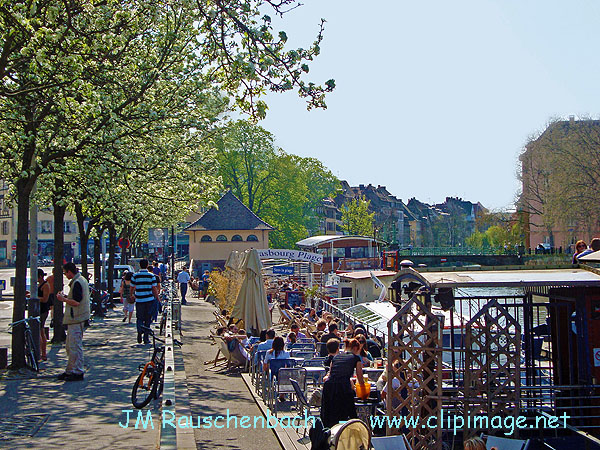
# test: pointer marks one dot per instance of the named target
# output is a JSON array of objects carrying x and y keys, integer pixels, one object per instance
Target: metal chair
[
  {"x": 302, "y": 354},
  {"x": 303, "y": 405},
  {"x": 259, "y": 375},
  {"x": 501, "y": 443},
  {"x": 255, "y": 364},
  {"x": 284, "y": 385},
  {"x": 303, "y": 346},
  {"x": 398, "y": 442},
  {"x": 316, "y": 361},
  {"x": 274, "y": 366}
]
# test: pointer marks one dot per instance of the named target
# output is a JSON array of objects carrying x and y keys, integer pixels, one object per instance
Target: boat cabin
[{"x": 344, "y": 253}]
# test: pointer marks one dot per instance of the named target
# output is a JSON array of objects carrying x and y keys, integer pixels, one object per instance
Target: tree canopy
[
  {"x": 356, "y": 218},
  {"x": 282, "y": 189},
  {"x": 129, "y": 91}
]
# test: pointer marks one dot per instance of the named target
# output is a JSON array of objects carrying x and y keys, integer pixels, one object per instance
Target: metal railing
[
  {"x": 346, "y": 318},
  {"x": 455, "y": 251}
]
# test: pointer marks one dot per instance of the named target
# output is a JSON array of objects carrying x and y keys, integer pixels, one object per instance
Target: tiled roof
[{"x": 231, "y": 215}]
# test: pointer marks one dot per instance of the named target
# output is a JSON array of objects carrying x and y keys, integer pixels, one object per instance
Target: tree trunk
[
  {"x": 97, "y": 275},
  {"x": 112, "y": 244},
  {"x": 84, "y": 237},
  {"x": 59, "y": 239},
  {"x": 24, "y": 187},
  {"x": 124, "y": 251}
]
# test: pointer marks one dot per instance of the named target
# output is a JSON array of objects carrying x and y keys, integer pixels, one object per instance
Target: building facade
[
  {"x": 219, "y": 231},
  {"x": 563, "y": 160},
  {"x": 45, "y": 230}
]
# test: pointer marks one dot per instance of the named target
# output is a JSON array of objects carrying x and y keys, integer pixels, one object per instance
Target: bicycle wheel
[
  {"x": 158, "y": 383},
  {"x": 144, "y": 388},
  {"x": 29, "y": 352}
]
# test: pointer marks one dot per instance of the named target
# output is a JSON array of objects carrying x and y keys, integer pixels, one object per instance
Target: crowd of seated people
[{"x": 301, "y": 323}]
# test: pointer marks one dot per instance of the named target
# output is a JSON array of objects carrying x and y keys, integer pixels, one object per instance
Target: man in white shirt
[{"x": 183, "y": 279}]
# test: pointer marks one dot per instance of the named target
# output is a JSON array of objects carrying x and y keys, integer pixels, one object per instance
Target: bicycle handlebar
[
  {"x": 26, "y": 319},
  {"x": 151, "y": 332}
]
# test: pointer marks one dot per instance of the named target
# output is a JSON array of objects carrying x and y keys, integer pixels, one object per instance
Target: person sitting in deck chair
[{"x": 234, "y": 344}]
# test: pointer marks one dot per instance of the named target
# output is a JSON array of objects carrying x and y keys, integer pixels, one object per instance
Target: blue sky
[{"x": 438, "y": 98}]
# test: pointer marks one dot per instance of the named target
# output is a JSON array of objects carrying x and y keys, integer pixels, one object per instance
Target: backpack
[{"x": 319, "y": 436}]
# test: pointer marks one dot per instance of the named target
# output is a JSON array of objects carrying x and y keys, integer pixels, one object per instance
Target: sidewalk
[
  {"x": 38, "y": 411},
  {"x": 213, "y": 393}
]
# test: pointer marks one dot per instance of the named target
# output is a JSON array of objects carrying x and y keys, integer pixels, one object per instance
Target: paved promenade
[
  {"x": 37, "y": 411},
  {"x": 42, "y": 412},
  {"x": 213, "y": 393}
]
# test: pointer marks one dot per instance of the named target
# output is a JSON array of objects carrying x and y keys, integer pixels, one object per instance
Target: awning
[{"x": 513, "y": 278}]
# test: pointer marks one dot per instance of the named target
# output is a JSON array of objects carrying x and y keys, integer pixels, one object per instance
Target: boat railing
[{"x": 346, "y": 318}]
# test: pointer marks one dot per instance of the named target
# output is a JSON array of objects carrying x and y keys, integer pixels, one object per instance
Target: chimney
[{"x": 572, "y": 119}]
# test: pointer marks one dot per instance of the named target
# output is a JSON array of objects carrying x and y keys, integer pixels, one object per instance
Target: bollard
[{"x": 3, "y": 358}]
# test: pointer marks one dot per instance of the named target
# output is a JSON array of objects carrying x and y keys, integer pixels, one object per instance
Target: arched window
[
  {"x": 252, "y": 238},
  {"x": 206, "y": 238},
  {"x": 236, "y": 237},
  {"x": 221, "y": 238}
]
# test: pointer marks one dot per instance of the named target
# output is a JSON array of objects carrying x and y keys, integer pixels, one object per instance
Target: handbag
[{"x": 315, "y": 398}]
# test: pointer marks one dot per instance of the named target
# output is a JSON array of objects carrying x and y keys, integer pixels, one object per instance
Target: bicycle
[
  {"x": 166, "y": 295},
  {"x": 99, "y": 307},
  {"x": 150, "y": 382},
  {"x": 30, "y": 358},
  {"x": 163, "y": 322}
]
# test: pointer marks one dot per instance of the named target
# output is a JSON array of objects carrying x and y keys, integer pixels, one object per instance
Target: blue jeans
[{"x": 143, "y": 312}]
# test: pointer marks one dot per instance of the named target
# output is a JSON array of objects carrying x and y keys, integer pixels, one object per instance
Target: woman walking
[
  {"x": 126, "y": 297},
  {"x": 45, "y": 305}
]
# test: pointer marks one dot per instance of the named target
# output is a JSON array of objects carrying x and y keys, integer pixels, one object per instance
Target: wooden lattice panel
[
  {"x": 492, "y": 378},
  {"x": 415, "y": 360}
]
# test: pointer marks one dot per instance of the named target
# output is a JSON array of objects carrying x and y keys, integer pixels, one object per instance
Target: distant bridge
[
  {"x": 464, "y": 256},
  {"x": 462, "y": 260}
]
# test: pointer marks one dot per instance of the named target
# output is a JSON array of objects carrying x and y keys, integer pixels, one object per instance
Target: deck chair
[
  {"x": 222, "y": 360},
  {"x": 285, "y": 317},
  {"x": 501, "y": 443},
  {"x": 398, "y": 442},
  {"x": 234, "y": 357},
  {"x": 221, "y": 321},
  {"x": 351, "y": 435}
]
